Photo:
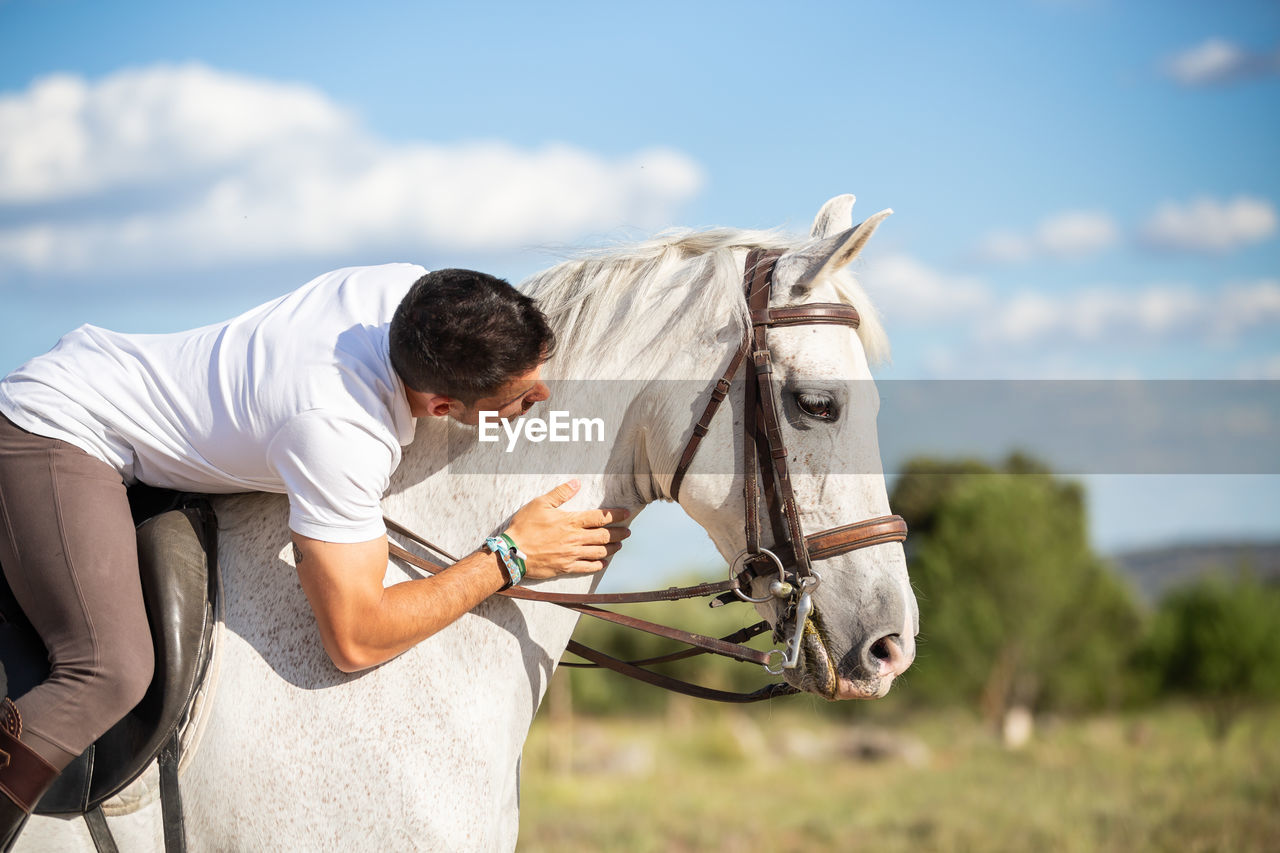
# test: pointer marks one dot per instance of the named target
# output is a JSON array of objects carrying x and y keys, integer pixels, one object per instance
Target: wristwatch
[{"x": 510, "y": 555}]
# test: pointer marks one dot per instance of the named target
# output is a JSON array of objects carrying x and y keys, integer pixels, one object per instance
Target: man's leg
[{"x": 68, "y": 550}]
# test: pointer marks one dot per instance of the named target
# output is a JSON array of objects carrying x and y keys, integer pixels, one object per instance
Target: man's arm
[{"x": 363, "y": 624}]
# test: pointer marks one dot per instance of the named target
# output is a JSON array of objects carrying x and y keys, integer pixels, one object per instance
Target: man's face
[{"x": 512, "y": 400}]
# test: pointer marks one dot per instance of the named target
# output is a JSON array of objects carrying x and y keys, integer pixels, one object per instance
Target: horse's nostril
[
  {"x": 881, "y": 649},
  {"x": 886, "y": 655}
]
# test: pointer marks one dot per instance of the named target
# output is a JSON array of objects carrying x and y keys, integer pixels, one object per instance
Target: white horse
[{"x": 283, "y": 751}]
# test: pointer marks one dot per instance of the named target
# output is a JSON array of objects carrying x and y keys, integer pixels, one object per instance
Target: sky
[{"x": 1083, "y": 189}]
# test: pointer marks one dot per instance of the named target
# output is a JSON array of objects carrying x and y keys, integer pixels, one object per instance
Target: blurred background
[{"x": 1084, "y": 190}]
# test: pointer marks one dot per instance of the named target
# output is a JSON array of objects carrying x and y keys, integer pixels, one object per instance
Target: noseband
[{"x": 764, "y": 462}]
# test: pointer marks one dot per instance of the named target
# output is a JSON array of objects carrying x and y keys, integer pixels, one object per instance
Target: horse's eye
[{"x": 820, "y": 406}]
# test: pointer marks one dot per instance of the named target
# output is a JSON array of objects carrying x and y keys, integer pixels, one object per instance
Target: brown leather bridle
[
  {"x": 761, "y": 415},
  {"x": 764, "y": 460}
]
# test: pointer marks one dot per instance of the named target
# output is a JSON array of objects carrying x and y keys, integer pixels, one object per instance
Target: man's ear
[
  {"x": 441, "y": 405},
  {"x": 423, "y": 404}
]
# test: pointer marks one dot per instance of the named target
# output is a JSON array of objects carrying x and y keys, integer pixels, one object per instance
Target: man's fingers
[
  {"x": 561, "y": 493},
  {"x": 604, "y": 535},
  {"x": 597, "y": 552},
  {"x": 582, "y": 567},
  {"x": 602, "y": 517}
]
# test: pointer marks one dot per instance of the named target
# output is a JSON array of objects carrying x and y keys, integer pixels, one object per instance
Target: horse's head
[{"x": 861, "y": 630}]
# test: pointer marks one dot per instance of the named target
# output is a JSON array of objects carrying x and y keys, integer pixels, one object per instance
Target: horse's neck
[
  {"x": 455, "y": 492},
  {"x": 643, "y": 389}
]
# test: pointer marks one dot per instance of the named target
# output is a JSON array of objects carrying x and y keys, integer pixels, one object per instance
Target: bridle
[
  {"x": 760, "y": 417},
  {"x": 765, "y": 467}
]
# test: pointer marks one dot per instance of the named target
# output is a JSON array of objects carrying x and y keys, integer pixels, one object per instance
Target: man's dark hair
[{"x": 464, "y": 334}]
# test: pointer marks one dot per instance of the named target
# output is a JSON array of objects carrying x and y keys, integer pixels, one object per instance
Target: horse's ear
[
  {"x": 835, "y": 216},
  {"x": 798, "y": 270}
]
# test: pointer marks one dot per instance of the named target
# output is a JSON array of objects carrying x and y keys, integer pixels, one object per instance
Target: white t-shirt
[{"x": 295, "y": 396}]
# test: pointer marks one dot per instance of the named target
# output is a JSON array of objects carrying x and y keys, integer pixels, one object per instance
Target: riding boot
[{"x": 24, "y": 776}]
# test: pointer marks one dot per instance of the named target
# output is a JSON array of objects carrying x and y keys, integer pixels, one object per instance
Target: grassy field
[{"x": 792, "y": 778}]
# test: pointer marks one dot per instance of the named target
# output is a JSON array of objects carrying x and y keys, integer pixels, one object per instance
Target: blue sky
[{"x": 1082, "y": 189}]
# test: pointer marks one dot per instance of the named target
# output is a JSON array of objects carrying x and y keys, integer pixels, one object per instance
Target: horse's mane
[{"x": 594, "y": 300}]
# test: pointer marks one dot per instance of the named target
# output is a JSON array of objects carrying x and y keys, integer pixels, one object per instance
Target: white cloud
[
  {"x": 212, "y": 166},
  {"x": 1156, "y": 312},
  {"x": 1005, "y": 247},
  {"x": 1243, "y": 307},
  {"x": 1208, "y": 225},
  {"x": 907, "y": 291},
  {"x": 1265, "y": 367},
  {"x": 1077, "y": 233},
  {"x": 1071, "y": 234},
  {"x": 1201, "y": 225},
  {"x": 1091, "y": 314},
  {"x": 1217, "y": 61},
  {"x": 963, "y": 326},
  {"x": 66, "y": 137}
]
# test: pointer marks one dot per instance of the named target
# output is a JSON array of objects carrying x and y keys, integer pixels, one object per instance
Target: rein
[
  {"x": 765, "y": 462},
  {"x": 730, "y": 646}
]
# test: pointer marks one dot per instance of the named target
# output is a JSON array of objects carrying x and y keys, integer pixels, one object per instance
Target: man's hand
[{"x": 558, "y": 542}]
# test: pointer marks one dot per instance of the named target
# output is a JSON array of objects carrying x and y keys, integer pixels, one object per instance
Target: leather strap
[
  {"x": 718, "y": 393},
  {"x": 673, "y": 593},
  {"x": 103, "y": 840},
  {"x": 171, "y": 814},
  {"x": 736, "y": 651},
  {"x": 675, "y": 685},
  {"x": 790, "y": 315},
  {"x": 760, "y": 291},
  {"x": 175, "y": 835},
  {"x": 850, "y": 537},
  {"x": 807, "y": 314},
  {"x": 739, "y": 636},
  {"x": 861, "y": 534}
]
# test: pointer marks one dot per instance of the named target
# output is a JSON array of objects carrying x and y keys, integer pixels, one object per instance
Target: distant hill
[{"x": 1155, "y": 571}]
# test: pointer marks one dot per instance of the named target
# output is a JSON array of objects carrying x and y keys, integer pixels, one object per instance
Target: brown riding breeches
[{"x": 68, "y": 550}]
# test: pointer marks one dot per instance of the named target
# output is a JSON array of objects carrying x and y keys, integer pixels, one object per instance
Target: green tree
[
  {"x": 1015, "y": 607},
  {"x": 1217, "y": 642}
]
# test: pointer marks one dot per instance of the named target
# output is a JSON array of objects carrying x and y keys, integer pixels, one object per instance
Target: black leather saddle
[{"x": 177, "y": 541}]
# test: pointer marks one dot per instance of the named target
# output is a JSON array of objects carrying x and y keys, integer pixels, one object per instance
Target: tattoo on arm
[{"x": 297, "y": 554}]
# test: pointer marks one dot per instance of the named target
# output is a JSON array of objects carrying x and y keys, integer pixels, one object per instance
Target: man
[{"x": 312, "y": 395}]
